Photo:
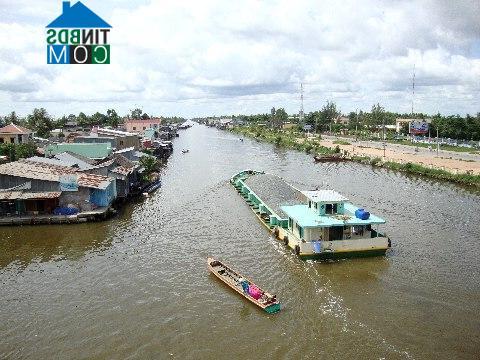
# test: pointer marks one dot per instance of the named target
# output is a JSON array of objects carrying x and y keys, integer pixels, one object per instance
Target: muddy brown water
[{"x": 136, "y": 287}]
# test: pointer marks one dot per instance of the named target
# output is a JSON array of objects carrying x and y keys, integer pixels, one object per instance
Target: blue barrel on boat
[{"x": 362, "y": 214}]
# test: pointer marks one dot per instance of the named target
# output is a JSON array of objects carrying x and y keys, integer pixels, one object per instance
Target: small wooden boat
[
  {"x": 153, "y": 186},
  {"x": 262, "y": 299},
  {"x": 329, "y": 158},
  {"x": 184, "y": 151}
]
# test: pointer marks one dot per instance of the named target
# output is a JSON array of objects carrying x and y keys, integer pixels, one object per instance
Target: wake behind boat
[{"x": 243, "y": 286}]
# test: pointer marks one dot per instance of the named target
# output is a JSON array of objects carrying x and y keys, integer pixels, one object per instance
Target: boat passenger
[{"x": 244, "y": 284}]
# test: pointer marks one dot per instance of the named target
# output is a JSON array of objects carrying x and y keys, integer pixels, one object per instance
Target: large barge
[{"x": 318, "y": 224}]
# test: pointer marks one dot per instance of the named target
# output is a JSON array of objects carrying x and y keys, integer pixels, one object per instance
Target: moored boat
[
  {"x": 153, "y": 186},
  {"x": 316, "y": 224},
  {"x": 243, "y": 286},
  {"x": 329, "y": 158}
]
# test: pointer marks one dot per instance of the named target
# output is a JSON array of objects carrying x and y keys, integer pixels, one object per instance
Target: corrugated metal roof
[
  {"x": 121, "y": 170},
  {"x": 49, "y": 172},
  {"x": 89, "y": 150},
  {"x": 324, "y": 196},
  {"x": 29, "y": 195}
]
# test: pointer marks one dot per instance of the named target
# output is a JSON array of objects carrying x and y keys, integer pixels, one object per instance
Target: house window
[
  {"x": 2, "y": 140},
  {"x": 310, "y": 204},
  {"x": 12, "y": 140},
  {"x": 144, "y": 128},
  {"x": 134, "y": 128},
  {"x": 290, "y": 223},
  {"x": 19, "y": 139}
]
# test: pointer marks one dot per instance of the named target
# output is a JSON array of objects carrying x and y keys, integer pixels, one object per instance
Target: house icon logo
[{"x": 78, "y": 36}]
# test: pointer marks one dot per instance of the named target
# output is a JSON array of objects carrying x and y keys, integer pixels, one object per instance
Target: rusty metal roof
[
  {"x": 50, "y": 172},
  {"x": 29, "y": 195},
  {"x": 122, "y": 170}
]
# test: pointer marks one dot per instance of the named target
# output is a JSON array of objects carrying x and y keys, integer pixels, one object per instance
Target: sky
[{"x": 201, "y": 58}]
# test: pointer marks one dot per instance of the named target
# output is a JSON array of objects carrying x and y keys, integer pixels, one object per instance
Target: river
[{"x": 137, "y": 287}]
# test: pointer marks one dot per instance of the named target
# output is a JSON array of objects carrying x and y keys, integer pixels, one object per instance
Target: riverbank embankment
[{"x": 438, "y": 166}]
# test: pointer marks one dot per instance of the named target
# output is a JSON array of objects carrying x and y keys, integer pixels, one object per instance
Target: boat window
[
  {"x": 331, "y": 209},
  {"x": 300, "y": 230},
  {"x": 336, "y": 233}
]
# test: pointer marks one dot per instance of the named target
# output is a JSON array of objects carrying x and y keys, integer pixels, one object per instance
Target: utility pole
[
  {"x": 413, "y": 87},
  {"x": 438, "y": 144},
  {"x": 356, "y": 124},
  {"x": 301, "y": 103},
  {"x": 383, "y": 134}
]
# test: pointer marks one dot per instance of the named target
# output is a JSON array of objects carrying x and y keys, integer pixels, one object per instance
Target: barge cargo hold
[{"x": 318, "y": 224}]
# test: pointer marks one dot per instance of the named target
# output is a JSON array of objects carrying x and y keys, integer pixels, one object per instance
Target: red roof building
[{"x": 15, "y": 134}]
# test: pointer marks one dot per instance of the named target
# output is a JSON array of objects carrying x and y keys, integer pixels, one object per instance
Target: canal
[{"x": 137, "y": 287}]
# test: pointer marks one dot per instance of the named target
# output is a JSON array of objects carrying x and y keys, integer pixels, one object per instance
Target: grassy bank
[{"x": 293, "y": 140}]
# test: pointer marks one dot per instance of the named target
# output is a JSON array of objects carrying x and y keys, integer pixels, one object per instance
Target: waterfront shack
[{"x": 32, "y": 190}]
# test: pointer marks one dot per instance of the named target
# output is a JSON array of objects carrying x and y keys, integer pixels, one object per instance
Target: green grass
[
  {"x": 341, "y": 142},
  {"x": 434, "y": 146}
]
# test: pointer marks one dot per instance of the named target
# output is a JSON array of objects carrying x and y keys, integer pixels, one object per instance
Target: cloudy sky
[{"x": 196, "y": 58}]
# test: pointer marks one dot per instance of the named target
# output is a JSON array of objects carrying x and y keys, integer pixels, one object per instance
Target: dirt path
[{"x": 425, "y": 158}]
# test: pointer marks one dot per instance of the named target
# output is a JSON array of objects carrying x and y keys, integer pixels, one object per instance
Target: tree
[
  {"x": 83, "y": 120},
  {"x": 376, "y": 116},
  {"x": 40, "y": 122},
  {"x": 12, "y": 118},
  {"x": 136, "y": 114},
  {"x": 150, "y": 165},
  {"x": 325, "y": 116},
  {"x": 145, "y": 116},
  {"x": 98, "y": 119},
  {"x": 280, "y": 117},
  {"x": 112, "y": 118}
]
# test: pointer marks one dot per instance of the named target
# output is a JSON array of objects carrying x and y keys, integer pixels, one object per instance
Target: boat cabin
[{"x": 328, "y": 216}]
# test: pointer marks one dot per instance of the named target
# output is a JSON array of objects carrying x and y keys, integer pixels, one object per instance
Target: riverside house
[
  {"x": 32, "y": 192},
  {"x": 15, "y": 134}
]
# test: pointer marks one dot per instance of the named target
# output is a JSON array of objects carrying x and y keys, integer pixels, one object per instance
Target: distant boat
[
  {"x": 243, "y": 286},
  {"x": 184, "y": 151}
]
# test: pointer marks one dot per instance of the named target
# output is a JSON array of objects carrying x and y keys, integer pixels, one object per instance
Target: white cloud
[{"x": 204, "y": 57}]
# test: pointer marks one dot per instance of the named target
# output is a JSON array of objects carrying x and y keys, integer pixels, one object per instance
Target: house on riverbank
[{"x": 32, "y": 191}]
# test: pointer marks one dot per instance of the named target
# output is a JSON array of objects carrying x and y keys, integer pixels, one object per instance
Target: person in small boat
[{"x": 244, "y": 284}]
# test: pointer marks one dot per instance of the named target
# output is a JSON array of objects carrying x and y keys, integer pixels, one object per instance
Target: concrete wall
[{"x": 17, "y": 138}]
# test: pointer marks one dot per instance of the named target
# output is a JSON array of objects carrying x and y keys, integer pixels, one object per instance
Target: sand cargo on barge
[{"x": 318, "y": 224}]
